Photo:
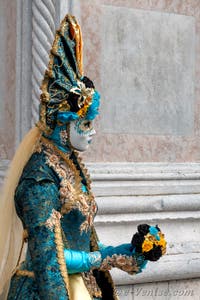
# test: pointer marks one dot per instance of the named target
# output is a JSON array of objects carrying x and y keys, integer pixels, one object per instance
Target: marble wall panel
[
  {"x": 147, "y": 72},
  {"x": 170, "y": 132}
]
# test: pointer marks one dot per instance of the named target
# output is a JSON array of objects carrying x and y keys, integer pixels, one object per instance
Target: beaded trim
[{"x": 60, "y": 255}]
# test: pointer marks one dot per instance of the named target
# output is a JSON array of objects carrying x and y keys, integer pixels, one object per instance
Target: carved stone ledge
[{"x": 114, "y": 179}]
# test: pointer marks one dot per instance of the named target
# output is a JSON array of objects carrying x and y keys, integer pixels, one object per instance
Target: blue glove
[
  {"x": 81, "y": 261},
  {"x": 124, "y": 249}
]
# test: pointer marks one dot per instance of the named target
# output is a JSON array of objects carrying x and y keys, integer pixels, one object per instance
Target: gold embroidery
[
  {"x": 60, "y": 255},
  {"x": 71, "y": 195},
  {"x": 38, "y": 145},
  {"x": 94, "y": 240},
  {"x": 91, "y": 284},
  {"x": 40, "y": 124},
  {"x": 53, "y": 220}
]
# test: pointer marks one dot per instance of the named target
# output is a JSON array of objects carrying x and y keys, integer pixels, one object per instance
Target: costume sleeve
[
  {"x": 81, "y": 261},
  {"x": 38, "y": 203}
]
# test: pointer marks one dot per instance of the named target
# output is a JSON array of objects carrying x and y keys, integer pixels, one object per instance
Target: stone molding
[{"x": 145, "y": 178}]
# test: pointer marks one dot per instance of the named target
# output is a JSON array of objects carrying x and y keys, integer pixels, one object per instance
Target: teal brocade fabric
[{"x": 36, "y": 196}]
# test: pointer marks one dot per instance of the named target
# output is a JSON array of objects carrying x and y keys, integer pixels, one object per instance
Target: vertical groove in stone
[{"x": 43, "y": 30}]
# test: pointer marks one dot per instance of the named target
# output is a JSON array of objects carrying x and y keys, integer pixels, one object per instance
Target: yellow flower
[
  {"x": 162, "y": 243},
  {"x": 147, "y": 246}
]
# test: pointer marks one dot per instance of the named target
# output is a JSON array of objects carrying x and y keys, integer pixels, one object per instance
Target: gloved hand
[{"x": 122, "y": 257}]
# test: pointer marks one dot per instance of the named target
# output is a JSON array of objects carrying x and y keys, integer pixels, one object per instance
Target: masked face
[{"x": 81, "y": 133}]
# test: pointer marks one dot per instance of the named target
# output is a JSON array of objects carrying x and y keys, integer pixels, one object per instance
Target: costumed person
[{"x": 53, "y": 198}]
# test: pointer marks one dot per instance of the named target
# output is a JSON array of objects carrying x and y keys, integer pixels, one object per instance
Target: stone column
[{"x": 43, "y": 30}]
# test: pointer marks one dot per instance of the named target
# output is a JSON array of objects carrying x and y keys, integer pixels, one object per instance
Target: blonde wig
[{"x": 10, "y": 226}]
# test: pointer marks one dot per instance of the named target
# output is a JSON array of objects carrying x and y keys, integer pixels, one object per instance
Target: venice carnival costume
[{"x": 53, "y": 198}]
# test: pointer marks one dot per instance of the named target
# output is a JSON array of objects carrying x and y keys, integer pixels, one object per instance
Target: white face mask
[{"x": 81, "y": 133}]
